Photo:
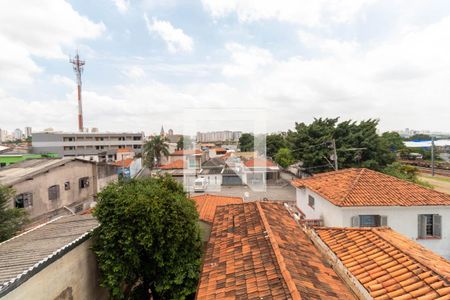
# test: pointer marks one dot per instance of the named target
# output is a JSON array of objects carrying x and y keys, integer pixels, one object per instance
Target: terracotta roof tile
[
  {"x": 364, "y": 187},
  {"x": 122, "y": 150},
  {"x": 206, "y": 204},
  {"x": 389, "y": 265},
  {"x": 124, "y": 163},
  {"x": 178, "y": 164},
  {"x": 259, "y": 163},
  {"x": 186, "y": 152},
  {"x": 262, "y": 253}
]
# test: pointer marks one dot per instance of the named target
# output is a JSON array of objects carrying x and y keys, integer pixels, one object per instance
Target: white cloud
[
  {"x": 305, "y": 12},
  {"x": 122, "y": 5},
  {"x": 63, "y": 80},
  {"x": 175, "y": 38},
  {"x": 246, "y": 60},
  {"x": 134, "y": 72},
  {"x": 38, "y": 29}
]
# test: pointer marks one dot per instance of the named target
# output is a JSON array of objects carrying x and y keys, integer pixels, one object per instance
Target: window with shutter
[
  {"x": 437, "y": 227},
  {"x": 355, "y": 221},
  {"x": 421, "y": 232},
  {"x": 53, "y": 192},
  {"x": 383, "y": 221}
]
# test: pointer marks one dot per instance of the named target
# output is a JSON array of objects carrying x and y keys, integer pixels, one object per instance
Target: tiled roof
[
  {"x": 257, "y": 251},
  {"x": 24, "y": 255},
  {"x": 124, "y": 163},
  {"x": 389, "y": 265},
  {"x": 259, "y": 163},
  {"x": 178, "y": 164},
  {"x": 364, "y": 187},
  {"x": 206, "y": 204},
  {"x": 124, "y": 150},
  {"x": 186, "y": 152}
]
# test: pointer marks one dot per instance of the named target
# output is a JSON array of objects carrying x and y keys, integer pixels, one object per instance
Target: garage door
[{"x": 231, "y": 180}]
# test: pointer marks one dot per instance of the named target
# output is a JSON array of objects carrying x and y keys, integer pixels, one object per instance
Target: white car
[{"x": 200, "y": 185}]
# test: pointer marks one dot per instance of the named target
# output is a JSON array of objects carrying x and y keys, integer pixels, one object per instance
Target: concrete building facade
[{"x": 86, "y": 145}]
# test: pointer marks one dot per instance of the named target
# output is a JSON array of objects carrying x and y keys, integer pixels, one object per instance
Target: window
[
  {"x": 369, "y": 221},
  {"x": 67, "y": 185},
  {"x": 311, "y": 201},
  {"x": 24, "y": 200},
  {"x": 53, "y": 192},
  {"x": 429, "y": 226},
  {"x": 84, "y": 182}
]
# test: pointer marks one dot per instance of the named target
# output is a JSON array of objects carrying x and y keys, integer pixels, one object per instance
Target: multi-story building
[
  {"x": 28, "y": 132},
  {"x": 18, "y": 134},
  {"x": 86, "y": 145},
  {"x": 219, "y": 136}
]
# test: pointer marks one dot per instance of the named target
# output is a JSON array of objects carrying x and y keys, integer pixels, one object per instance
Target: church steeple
[{"x": 162, "y": 131}]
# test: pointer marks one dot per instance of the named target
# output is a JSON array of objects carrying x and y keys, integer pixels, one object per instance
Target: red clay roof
[
  {"x": 186, "y": 152},
  {"x": 206, "y": 204},
  {"x": 364, "y": 187},
  {"x": 257, "y": 251},
  {"x": 121, "y": 150},
  {"x": 178, "y": 164},
  {"x": 124, "y": 163},
  {"x": 389, "y": 265},
  {"x": 259, "y": 163}
]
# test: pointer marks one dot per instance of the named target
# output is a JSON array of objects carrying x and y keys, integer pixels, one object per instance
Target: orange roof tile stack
[
  {"x": 389, "y": 265},
  {"x": 257, "y": 251},
  {"x": 125, "y": 163},
  {"x": 364, "y": 187},
  {"x": 178, "y": 164},
  {"x": 206, "y": 205},
  {"x": 124, "y": 150}
]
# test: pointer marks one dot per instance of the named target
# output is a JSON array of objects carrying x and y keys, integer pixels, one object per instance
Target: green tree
[
  {"x": 11, "y": 219},
  {"x": 246, "y": 142},
  {"x": 274, "y": 142},
  {"x": 154, "y": 149},
  {"x": 148, "y": 239},
  {"x": 184, "y": 142},
  {"x": 284, "y": 157},
  {"x": 405, "y": 172},
  {"x": 357, "y": 144}
]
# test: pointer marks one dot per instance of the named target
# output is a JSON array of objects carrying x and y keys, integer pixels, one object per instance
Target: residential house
[
  {"x": 216, "y": 151},
  {"x": 212, "y": 170},
  {"x": 206, "y": 205},
  {"x": 179, "y": 171},
  {"x": 193, "y": 158},
  {"x": 383, "y": 264},
  {"x": 365, "y": 198},
  {"x": 50, "y": 187},
  {"x": 261, "y": 171},
  {"x": 124, "y": 153},
  {"x": 128, "y": 167},
  {"x": 52, "y": 261},
  {"x": 257, "y": 251}
]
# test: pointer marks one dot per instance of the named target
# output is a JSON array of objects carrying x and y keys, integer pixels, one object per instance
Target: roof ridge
[
  {"x": 279, "y": 258},
  {"x": 405, "y": 251},
  {"x": 355, "y": 181}
]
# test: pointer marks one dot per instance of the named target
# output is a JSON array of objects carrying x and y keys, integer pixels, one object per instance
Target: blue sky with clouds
[{"x": 167, "y": 62}]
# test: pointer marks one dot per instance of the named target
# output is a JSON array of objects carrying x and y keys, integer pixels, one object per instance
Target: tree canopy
[
  {"x": 148, "y": 239},
  {"x": 184, "y": 142},
  {"x": 284, "y": 157},
  {"x": 11, "y": 219},
  {"x": 247, "y": 142},
  {"x": 274, "y": 142},
  {"x": 154, "y": 149},
  {"x": 357, "y": 144}
]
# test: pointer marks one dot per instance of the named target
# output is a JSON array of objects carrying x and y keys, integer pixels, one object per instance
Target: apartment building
[
  {"x": 218, "y": 136},
  {"x": 94, "y": 146}
]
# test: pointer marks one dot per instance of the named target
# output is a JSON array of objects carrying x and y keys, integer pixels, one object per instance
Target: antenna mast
[{"x": 78, "y": 69}]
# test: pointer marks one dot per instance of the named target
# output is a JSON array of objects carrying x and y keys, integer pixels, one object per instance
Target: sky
[{"x": 225, "y": 64}]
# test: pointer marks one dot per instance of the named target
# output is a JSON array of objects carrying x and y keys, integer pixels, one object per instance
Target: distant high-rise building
[
  {"x": 170, "y": 132},
  {"x": 219, "y": 136},
  {"x": 18, "y": 134},
  {"x": 28, "y": 132}
]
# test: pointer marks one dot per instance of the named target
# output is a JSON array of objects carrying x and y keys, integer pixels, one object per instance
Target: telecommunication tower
[{"x": 78, "y": 69}]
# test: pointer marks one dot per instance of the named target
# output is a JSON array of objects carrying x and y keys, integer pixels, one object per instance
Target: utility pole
[
  {"x": 335, "y": 158},
  {"x": 432, "y": 156},
  {"x": 78, "y": 69}
]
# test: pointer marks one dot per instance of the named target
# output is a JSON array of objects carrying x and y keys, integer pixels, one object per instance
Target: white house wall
[{"x": 400, "y": 218}]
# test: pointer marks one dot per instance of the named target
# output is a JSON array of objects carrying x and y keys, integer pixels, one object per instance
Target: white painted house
[{"x": 365, "y": 198}]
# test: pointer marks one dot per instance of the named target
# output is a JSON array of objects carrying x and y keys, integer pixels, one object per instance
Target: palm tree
[{"x": 154, "y": 149}]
